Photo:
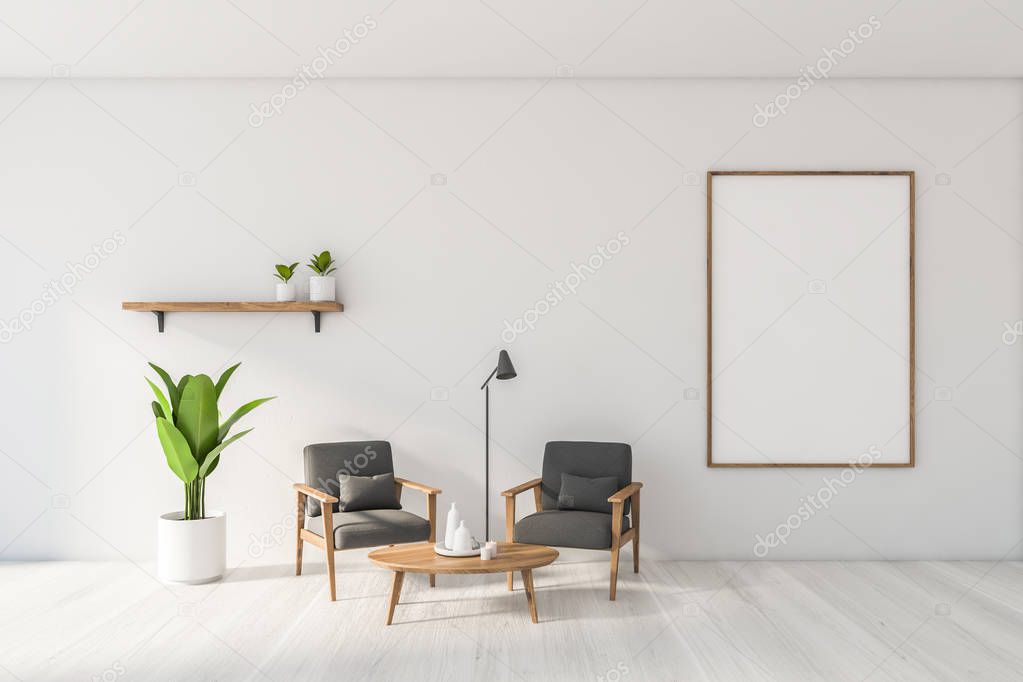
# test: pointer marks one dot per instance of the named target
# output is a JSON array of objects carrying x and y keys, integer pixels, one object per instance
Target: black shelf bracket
[{"x": 161, "y": 314}]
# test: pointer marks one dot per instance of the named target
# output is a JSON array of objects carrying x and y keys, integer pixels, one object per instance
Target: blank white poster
[{"x": 810, "y": 315}]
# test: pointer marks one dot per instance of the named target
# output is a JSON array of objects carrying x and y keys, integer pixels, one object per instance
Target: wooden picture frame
[{"x": 711, "y": 205}]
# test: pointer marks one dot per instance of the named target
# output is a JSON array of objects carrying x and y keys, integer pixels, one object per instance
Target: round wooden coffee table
[{"x": 420, "y": 558}]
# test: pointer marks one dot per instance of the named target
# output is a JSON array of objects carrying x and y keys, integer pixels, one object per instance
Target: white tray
[{"x": 439, "y": 548}]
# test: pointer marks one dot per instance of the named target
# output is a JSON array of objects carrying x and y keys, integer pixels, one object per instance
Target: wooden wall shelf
[{"x": 158, "y": 308}]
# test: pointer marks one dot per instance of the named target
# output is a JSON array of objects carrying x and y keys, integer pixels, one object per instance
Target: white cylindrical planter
[
  {"x": 191, "y": 552},
  {"x": 285, "y": 292},
  {"x": 321, "y": 289}
]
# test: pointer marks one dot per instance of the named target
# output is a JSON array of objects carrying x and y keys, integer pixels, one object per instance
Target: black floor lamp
[{"x": 504, "y": 370}]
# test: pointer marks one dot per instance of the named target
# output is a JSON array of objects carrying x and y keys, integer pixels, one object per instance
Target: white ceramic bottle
[
  {"x": 452, "y": 525},
  {"x": 463, "y": 540}
]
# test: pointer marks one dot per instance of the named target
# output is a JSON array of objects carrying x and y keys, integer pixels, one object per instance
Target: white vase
[
  {"x": 454, "y": 516},
  {"x": 191, "y": 552},
  {"x": 463, "y": 540},
  {"x": 285, "y": 291},
  {"x": 322, "y": 289}
]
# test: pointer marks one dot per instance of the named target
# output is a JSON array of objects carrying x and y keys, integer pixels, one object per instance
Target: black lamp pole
[{"x": 504, "y": 370}]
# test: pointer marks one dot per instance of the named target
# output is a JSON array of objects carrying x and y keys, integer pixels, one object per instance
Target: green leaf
[
  {"x": 172, "y": 390},
  {"x": 222, "y": 381},
  {"x": 239, "y": 413},
  {"x": 197, "y": 416},
  {"x": 181, "y": 391},
  {"x": 157, "y": 410},
  {"x": 212, "y": 467},
  {"x": 210, "y": 463},
  {"x": 161, "y": 398},
  {"x": 175, "y": 448},
  {"x": 176, "y": 400}
]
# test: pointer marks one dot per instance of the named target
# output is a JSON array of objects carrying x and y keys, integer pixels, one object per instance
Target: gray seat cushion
[
  {"x": 373, "y": 527},
  {"x": 559, "y": 528}
]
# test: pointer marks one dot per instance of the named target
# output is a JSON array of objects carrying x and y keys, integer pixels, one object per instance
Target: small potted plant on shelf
[
  {"x": 285, "y": 288},
  {"x": 321, "y": 285},
  {"x": 191, "y": 543}
]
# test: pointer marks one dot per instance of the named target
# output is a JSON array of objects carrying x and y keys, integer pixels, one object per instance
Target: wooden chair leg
[
  {"x": 614, "y": 571},
  {"x": 328, "y": 546},
  {"x": 431, "y": 512},
  {"x": 299, "y": 524},
  {"x": 616, "y": 544},
  {"x": 635, "y": 537},
  {"x": 509, "y": 532},
  {"x": 330, "y": 573}
]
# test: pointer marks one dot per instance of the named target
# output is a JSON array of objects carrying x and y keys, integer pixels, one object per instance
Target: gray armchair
[
  {"x": 582, "y": 529},
  {"x": 320, "y": 523}
]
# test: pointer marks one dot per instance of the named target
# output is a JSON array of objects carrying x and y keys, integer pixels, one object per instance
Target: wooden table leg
[
  {"x": 399, "y": 578},
  {"x": 527, "y": 581}
]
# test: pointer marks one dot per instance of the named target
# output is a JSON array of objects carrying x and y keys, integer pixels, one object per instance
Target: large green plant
[{"x": 188, "y": 424}]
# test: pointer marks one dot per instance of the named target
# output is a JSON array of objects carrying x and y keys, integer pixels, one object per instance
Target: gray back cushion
[
  {"x": 359, "y": 493},
  {"x": 324, "y": 463},
  {"x": 581, "y": 458},
  {"x": 587, "y": 494}
]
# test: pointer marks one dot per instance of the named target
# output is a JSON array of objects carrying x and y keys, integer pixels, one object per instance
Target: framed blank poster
[{"x": 810, "y": 341}]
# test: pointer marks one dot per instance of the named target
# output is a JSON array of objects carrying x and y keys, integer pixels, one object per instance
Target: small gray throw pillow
[
  {"x": 579, "y": 493},
  {"x": 367, "y": 492}
]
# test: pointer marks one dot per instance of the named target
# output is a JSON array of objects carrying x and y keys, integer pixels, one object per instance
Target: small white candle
[
  {"x": 492, "y": 548},
  {"x": 486, "y": 554}
]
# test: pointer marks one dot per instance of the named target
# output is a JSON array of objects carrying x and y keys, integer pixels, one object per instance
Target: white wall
[
  {"x": 537, "y": 175},
  {"x": 521, "y": 38}
]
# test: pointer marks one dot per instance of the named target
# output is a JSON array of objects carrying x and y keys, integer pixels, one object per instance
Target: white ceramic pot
[
  {"x": 191, "y": 552},
  {"x": 285, "y": 292},
  {"x": 322, "y": 289}
]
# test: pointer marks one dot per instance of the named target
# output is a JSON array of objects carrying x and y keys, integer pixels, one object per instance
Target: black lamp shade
[{"x": 505, "y": 369}]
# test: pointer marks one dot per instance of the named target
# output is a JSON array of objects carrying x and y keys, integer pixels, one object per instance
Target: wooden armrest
[
  {"x": 314, "y": 493},
  {"x": 512, "y": 492},
  {"x": 422, "y": 487},
  {"x": 626, "y": 492}
]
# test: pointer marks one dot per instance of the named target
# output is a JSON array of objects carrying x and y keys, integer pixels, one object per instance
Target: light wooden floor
[{"x": 675, "y": 621}]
